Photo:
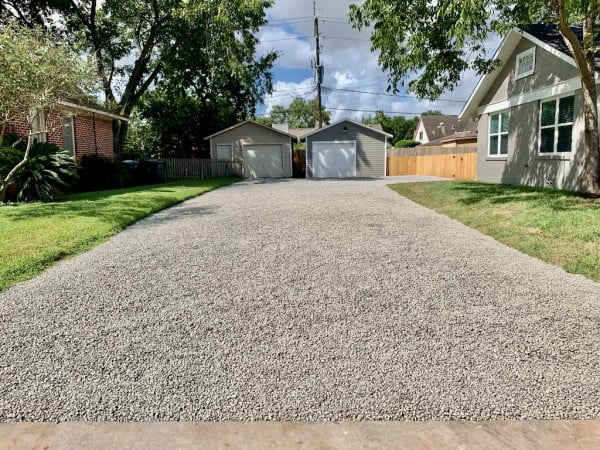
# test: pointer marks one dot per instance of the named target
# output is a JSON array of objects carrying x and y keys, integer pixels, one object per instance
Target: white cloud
[{"x": 348, "y": 60}]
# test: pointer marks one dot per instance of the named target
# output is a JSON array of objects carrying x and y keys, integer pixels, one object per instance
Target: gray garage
[
  {"x": 346, "y": 149},
  {"x": 265, "y": 152}
]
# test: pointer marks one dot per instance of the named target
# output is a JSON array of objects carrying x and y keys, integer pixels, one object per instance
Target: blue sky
[{"x": 349, "y": 63}]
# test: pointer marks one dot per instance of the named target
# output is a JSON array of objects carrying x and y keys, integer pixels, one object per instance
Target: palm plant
[{"x": 48, "y": 170}]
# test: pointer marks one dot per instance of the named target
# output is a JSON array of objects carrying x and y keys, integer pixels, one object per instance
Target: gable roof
[
  {"x": 457, "y": 137},
  {"x": 545, "y": 37},
  {"x": 300, "y": 132},
  {"x": 438, "y": 126},
  {"x": 550, "y": 35},
  {"x": 318, "y": 130},
  {"x": 246, "y": 122}
]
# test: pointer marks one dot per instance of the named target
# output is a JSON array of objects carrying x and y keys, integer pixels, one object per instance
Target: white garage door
[
  {"x": 263, "y": 161},
  {"x": 334, "y": 159}
]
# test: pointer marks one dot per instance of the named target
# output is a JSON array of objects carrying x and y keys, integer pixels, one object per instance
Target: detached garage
[
  {"x": 346, "y": 149},
  {"x": 265, "y": 152}
]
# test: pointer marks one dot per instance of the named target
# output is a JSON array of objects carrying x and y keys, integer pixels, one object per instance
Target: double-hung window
[
  {"x": 68, "y": 134},
  {"x": 38, "y": 125},
  {"x": 498, "y": 142},
  {"x": 556, "y": 125},
  {"x": 225, "y": 152}
]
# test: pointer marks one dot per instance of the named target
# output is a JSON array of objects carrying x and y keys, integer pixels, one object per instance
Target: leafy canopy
[
  {"x": 400, "y": 127},
  {"x": 37, "y": 72},
  {"x": 301, "y": 113},
  {"x": 435, "y": 41}
]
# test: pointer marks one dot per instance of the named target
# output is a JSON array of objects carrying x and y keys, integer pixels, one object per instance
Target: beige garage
[{"x": 263, "y": 151}]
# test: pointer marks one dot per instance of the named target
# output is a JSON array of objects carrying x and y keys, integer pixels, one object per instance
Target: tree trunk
[
  {"x": 590, "y": 176},
  {"x": 7, "y": 180},
  {"x": 120, "y": 128}
]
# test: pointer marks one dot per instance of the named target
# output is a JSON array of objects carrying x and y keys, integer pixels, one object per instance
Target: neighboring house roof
[
  {"x": 274, "y": 130},
  {"x": 300, "y": 132},
  {"x": 376, "y": 126},
  {"x": 454, "y": 137},
  {"x": 437, "y": 126},
  {"x": 544, "y": 36},
  {"x": 318, "y": 130}
]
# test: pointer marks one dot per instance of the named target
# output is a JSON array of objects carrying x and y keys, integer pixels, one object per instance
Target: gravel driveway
[{"x": 300, "y": 299}]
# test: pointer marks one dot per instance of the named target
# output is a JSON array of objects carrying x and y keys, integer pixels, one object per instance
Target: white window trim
[
  {"x": 42, "y": 134},
  {"x": 72, "y": 133},
  {"x": 499, "y": 133},
  {"x": 519, "y": 57},
  {"x": 555, "y": 126},
  {"x": 224, "y": 145}
]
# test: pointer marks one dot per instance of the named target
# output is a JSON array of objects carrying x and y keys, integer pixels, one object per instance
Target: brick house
[{"x": 81, "y": 129}]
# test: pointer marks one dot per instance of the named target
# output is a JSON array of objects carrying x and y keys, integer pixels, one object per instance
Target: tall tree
[
  {"x": 36, "y": 73},
  {"x": 137, "y": 42},
  {"x": 301, "y": 113},
  {"x": 436, "y": 38},
  {"x": 399, "y": 126}
]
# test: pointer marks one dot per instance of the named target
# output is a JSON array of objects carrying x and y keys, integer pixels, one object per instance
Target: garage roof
[
  {"x": 274, "y": 130},
  {"x": 349, "y": 121}
]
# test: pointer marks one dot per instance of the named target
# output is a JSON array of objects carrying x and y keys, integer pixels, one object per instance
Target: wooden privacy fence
[
  {"x": 299, "y": 163},
  {"x": 201, "y": 169},
  {"x": 459, "y": 163}
]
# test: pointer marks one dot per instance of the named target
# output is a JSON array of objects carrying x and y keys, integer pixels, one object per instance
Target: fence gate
[{"x": 201, "y": 169}]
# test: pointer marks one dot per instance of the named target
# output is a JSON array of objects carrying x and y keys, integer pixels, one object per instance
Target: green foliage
[
  {"x": 299, "y": 114},
  {"x": 398, "y": 126},
  {"x": 142, "y": 141},
  {"x": 98, "y": 173},
  {"x": 37, "y": 71},
  {"x": 558, "y": 227},
  {"x": 432, "y": 112},
  {"x": 440, "y": 40},
  {"x": 196, "y": 48},
  {"x": 406, "y": 143},
  {"x": 35, "y": 235},
  {"x": 48, "y": 169}
]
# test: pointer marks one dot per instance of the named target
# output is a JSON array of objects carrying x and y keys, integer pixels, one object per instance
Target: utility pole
[{"x": 318, "y": 68}]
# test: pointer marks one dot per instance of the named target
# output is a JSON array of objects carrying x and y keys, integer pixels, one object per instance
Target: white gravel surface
[{"x": 300, "y": 299}]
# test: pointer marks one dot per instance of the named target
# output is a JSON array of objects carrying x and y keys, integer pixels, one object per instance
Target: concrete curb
[{"x": 276, "y": 435}]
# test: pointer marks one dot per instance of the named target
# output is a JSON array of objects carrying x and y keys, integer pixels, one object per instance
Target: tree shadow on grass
[
  {"x": 118, "y": 208},
  {"x": 473, "y": 193}
]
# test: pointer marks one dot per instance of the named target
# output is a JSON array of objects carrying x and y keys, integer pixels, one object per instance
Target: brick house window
[
  {"x": 68, "y": 134},
  {"x": 38, "y": 126}
]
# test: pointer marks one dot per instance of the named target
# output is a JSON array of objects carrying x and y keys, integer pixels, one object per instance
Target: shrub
[
  {"x": 98, "y": 173},
  {"x": 404, "y": 143},
  {"x": 49, "y": 169}
]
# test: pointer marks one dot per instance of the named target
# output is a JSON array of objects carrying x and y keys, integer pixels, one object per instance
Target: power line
[
  {"x": 371, "y": 111},
  {"x": 286, "y": 39},
  {"x": 392, "y": 95}
]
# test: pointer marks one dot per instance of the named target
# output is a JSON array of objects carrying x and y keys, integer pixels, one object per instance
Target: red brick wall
[
  {"x": 88, "y": 144},
  {"x": 85, "y": 141}
]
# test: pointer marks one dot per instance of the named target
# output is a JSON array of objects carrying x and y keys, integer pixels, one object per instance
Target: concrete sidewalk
[{"x": 324, "y": 435}]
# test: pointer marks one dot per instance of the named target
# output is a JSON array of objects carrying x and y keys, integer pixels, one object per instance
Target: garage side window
[{"x": 225, "y": 152}]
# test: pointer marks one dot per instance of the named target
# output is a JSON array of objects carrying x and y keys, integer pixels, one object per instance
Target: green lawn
[
  {"x": 558, "y": 227},
  {"x": 34, "y": 235}
]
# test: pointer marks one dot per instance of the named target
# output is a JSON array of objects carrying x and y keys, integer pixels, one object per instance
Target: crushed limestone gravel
[{"x": 300, "y": 299}]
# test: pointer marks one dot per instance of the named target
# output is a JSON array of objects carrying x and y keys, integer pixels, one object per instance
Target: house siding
[
  {"x": 370, "y": 148},
  {"x": 252, "y": 134},
  {"x": 549, "y": 70},
  {"x": 523, "y": 165}
]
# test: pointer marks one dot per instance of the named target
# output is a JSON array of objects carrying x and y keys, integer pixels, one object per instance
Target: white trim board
[
  {"x": 504, "y": 51},
  {"x": 565, "y": 87}
]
